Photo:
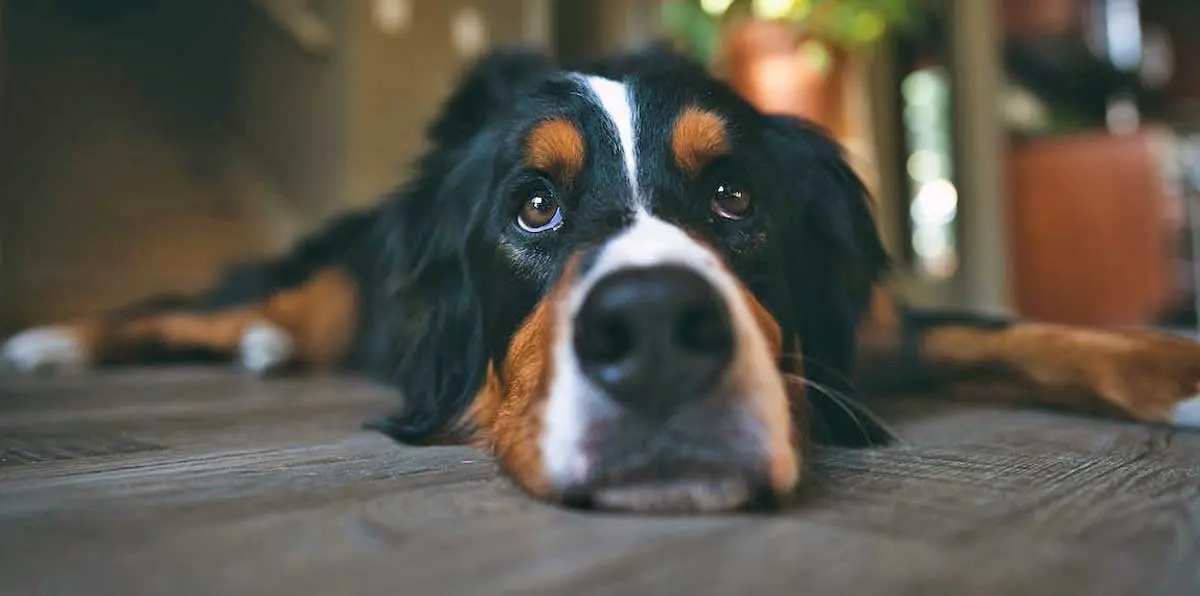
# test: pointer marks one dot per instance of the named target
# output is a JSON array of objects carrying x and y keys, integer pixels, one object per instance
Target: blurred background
[{"x": 1033, "y": 157}]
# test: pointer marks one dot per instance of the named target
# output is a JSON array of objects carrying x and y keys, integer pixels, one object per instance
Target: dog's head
[{"x": 607, "y": 275}]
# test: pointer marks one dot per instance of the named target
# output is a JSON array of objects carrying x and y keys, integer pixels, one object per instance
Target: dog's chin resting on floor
[{"x": 633, "y": 287}]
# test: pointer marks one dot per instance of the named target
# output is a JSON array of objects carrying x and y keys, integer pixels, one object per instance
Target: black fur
[
  {"x": 831, "y": 267},
  {"x": 342, "y": 243},
  {"x": 432, "y": 337}
]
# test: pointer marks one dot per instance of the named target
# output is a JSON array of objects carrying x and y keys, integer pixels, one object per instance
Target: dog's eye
[
  {"x": 540, "y": 213},
  {"x": 730, "y": 201}
]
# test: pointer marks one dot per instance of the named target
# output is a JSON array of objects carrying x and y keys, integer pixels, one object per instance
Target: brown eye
[
  {"x": 540, "y": 213},
  {"x": 730, "y": 202}
]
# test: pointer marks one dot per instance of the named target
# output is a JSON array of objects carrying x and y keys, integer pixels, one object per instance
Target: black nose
[{"x": 654, "y": 338}]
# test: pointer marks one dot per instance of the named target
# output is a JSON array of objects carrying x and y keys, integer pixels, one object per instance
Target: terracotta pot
[{"x": 1091, "y": 235}]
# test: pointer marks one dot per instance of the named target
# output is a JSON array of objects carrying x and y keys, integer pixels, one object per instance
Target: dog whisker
[
  {"x": 804, "y": 361},
  {"x": 852, "y": 407}
]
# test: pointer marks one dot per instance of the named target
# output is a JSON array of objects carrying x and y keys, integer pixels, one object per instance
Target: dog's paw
[
  {"x": 1153, "y": 377},
  {"x": 57, "y": 349},
  {"x": 265, "y": 348},
  {"x": 1187, "y": 412}
]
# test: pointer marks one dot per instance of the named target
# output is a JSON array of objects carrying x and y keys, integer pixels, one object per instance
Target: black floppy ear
[
  {"x": 489, "y": 85},
  {"x": 429, "y": 336},
  {"x": 834, "y": 257},
  {"x": 826, "y": 190}
]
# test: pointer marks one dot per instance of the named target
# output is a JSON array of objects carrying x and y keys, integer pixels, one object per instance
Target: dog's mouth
[
  {"x": 698, "y": 495},
  {"x": 707, "y": 462}
]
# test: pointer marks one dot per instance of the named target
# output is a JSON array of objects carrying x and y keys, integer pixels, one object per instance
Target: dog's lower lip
[{"x": 699, "y": 495}]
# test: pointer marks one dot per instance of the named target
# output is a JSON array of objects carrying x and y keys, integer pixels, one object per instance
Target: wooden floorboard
[{"x": 204, "y": 481}]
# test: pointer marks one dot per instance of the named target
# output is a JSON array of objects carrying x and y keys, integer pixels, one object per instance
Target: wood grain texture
[{"x": 199, "y": 481}]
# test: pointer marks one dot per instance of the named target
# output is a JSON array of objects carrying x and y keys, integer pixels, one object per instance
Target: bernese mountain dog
[{"x": 634, "y": 288}]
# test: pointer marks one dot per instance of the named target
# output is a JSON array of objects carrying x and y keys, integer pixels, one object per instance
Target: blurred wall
[
  {"x": 397, "y": 80},
  {"x": 587, "y": 28},
  {"x": 291, "y": 106},
  {"x": 116, "y": 122},
  {"x": 148, "y": 143},
  {"x": 337, "y": 128}
]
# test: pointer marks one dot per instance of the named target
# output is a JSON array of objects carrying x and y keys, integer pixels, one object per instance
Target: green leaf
[{"x": 846, "y": 23}]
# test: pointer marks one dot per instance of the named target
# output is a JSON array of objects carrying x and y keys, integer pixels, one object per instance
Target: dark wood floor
[{"x": 198, "y": 481}]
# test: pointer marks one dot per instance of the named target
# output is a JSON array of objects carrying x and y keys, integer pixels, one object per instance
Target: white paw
[
  {"x": 44, "y": 348},
  {"x": 1187, "y": 412},
  {"x": 265, "y": 347}
]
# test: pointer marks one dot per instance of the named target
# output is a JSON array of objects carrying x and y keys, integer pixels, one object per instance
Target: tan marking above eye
[
  {"x": 699, "y": 136},
  {"x": 555, "y": 146}
]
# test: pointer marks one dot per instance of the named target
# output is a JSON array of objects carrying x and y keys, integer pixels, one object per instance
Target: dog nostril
[
  {"x": 701, "y": 329},
  {"x": 607, "y": 340}
]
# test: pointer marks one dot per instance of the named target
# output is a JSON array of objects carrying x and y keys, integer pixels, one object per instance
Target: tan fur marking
[
  {"x": 785, "y": 458},
  {"x": 556, "y": 147},
  {"x": 1142, "y": 374},
  {"x": 880, "y": 328},
  {"x": 519, "y": 419},
  {"x": 766, "y": 322},
  {"x": 508, "y": 412},
  {"x": 698, "y": 137},
  {"x": 320, "y": 315},
  {"x": 475, "y": 426},
  {"x": 220, "y": 332}
]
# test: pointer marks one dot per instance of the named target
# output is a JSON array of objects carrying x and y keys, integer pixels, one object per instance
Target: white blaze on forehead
[{"x": 613, "y": 98}]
